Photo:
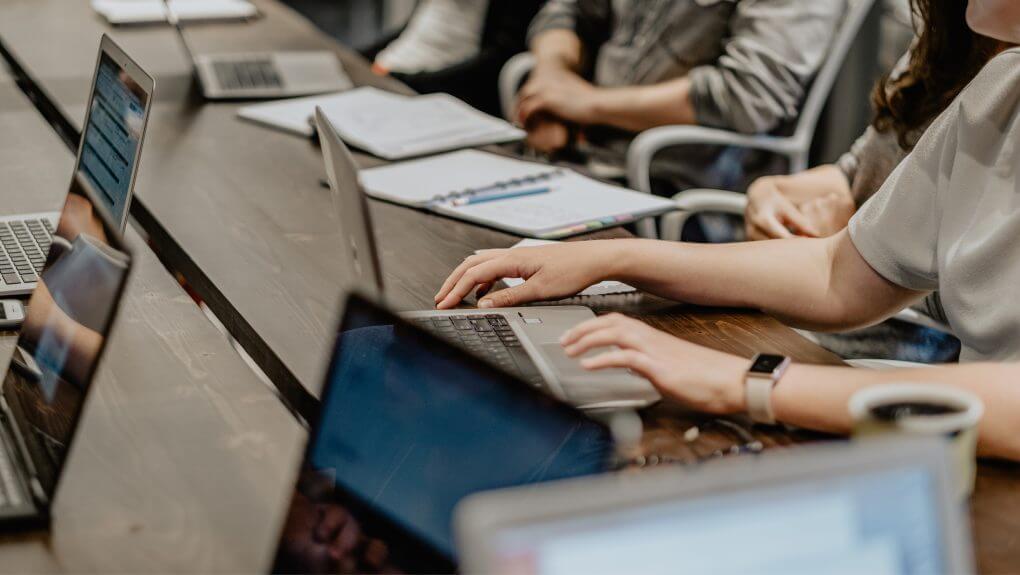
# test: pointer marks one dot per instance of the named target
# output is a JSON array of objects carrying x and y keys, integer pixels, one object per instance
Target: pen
[{"x": 496, "y": 197}]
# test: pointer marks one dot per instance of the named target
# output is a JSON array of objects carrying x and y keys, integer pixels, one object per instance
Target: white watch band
[{"x": 758, "y": 387}]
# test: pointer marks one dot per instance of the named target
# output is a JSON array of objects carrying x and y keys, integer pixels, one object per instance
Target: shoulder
[{"x": 996, "y": 88}]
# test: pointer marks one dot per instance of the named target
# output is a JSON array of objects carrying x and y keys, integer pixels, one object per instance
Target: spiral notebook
[{"x": 524, "y": 198}]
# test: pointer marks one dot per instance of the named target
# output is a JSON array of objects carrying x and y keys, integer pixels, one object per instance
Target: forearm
[
  {"x": 813, "y": 283},
  {"x": 639, "y": 108},
  {"x": 816, "y": 397},
  {"x": 559, "y": 48}
]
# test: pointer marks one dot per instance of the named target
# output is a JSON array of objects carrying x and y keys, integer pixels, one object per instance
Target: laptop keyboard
[
  {"x": 489, "y": 337},
  {"x": 250, "y": 74},
  {"x": 25, "y": 244},
  {"x": 10, "y": 495}
]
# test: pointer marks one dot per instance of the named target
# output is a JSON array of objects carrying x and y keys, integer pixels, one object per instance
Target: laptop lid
[
  {"x": 408, "y": 426},
  {"x": 867, "y": 507},
  {"x": 111, "y": 141},
  {"x": 66, "y": 327},
  {"x": 358, "y": 252}
]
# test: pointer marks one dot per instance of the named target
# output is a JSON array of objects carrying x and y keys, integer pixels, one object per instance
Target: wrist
[{"x": 733, "y": 381}]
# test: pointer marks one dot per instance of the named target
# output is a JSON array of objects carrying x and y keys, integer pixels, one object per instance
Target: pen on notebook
[{"x": 481, "y": 199}]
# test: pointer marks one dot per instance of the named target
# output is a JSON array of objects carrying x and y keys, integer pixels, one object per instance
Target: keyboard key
[
  {"x": 11, "y": 279},
  {"x": 463, "y": 324},
  {"x": 29, "y": 278}
]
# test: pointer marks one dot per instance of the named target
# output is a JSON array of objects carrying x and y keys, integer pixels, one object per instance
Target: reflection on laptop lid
[
  {"x": 408, "y": 426},
  {"x": 874, "y": 507},
  {"x": 68, "y": 322}
]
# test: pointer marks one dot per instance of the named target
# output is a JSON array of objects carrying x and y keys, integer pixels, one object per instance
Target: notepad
[
  {"x": 599, "y": 289},
  {"x": 574, "y": 204},
  {"x": 152, "y": 11},
  {"x": 391, "y": 126}
]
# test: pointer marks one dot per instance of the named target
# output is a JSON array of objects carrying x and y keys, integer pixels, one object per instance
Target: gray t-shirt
[{"x": 948, "y": 218}]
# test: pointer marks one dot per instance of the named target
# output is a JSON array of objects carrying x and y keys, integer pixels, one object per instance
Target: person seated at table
[
  {"x": 458, "y": 47},
  {"x": 820, "y": 202},
  {"x": 606, "y": 69},
  {"x": 947, "y": 219}
]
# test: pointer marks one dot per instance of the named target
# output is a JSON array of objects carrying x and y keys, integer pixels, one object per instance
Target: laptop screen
[
  {"x": 408, "y": 427},
  {"x": 112, "y": 137},
  {"x": 67, "y": 322},
  {"x": 881, "y": 522}
]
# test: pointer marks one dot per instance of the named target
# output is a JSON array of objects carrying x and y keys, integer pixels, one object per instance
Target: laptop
[
  {"x": 68, "y": 322},
  {"x": 409, "y": 425},
  {"x": 263, "y": 75},
  {"x": 111, "y": 144},
  {"x": 862, "y": 507},
  {"x": 523, "y": 341}
]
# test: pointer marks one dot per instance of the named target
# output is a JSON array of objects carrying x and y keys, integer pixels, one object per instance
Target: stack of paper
[
  {"x": 391, "y": 126},
  {"x": 566, "y": 204},
  {"x": 151, "y": 11}
]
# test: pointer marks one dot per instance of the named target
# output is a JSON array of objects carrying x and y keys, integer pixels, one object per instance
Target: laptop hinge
[{"x": 38, "y": 493}]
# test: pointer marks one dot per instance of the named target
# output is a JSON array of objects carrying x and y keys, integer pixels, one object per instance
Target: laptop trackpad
[{"x": 583, "y": 386}]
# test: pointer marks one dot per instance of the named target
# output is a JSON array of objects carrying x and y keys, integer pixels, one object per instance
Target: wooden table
[
  {"x": 184, "y": 455},
  {"x": 239, "y": 211}
]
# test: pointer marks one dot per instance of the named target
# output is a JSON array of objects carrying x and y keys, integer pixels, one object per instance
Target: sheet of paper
[
  {"x": 149, "y": 11},
  {"x": 413, "y": 126},
  {"x": 294, "y": 115},
  {"x": 416, "y": 182},
  {"x": 602, "y": 288},
  {"x": 575, "y": 200}
]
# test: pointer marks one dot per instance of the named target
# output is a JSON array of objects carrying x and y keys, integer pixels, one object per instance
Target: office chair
[{"x": 649, "y": 143}]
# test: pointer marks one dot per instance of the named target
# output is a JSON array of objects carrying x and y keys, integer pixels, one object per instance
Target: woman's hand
[
  {"x": 815, "y": 203},
  {"x": 551, "y": 272},
  {"x": 700, "y": 378}
]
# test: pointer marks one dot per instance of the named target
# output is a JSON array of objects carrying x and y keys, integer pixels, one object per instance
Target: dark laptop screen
[
  {"x": 65, "y": 330},
  {"x": 113, "y": 134},
  {"x": 408, "y": 427}
]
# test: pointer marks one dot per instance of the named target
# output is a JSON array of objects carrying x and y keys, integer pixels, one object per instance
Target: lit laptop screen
[
  {"x": 68, "y": 320},
  {"x": 409, "y": 426},
  {"x": 880, "y": 523},
  {"x": 112, "y": 137}
]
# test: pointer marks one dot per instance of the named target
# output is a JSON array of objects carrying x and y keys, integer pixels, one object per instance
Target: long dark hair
[{"x": 946, "y": 57}]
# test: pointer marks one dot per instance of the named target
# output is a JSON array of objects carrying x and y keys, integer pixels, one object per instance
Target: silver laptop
[
  {"x": 255, "y": 75},
  {"x": 50, "y": 373},
  {"x": 868, "y": 507},
  {"x": 523, "y": 341},
  {"x": 111, "y": 144}
]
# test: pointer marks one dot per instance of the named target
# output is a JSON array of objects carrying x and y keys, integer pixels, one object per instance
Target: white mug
[{"x": 924, "y": 409}]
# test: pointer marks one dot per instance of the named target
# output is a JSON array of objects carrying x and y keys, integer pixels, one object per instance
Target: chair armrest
[
  {"x": 650, "y": 142},
  {"x": 510, "y": 79},
  {"x": 691, "y": 202}
]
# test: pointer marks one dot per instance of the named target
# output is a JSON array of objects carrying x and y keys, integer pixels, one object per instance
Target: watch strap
[{"x": 758, "y": 388}]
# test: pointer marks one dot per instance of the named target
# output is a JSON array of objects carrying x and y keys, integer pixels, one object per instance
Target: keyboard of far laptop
[
  {"x": 10, "y": 494},
  {"x": 24, "y": 245},
  {"x": 247, "y": 74},
  {"x": 489, "y": 337}
]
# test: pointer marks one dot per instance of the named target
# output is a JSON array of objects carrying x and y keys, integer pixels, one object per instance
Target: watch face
[{"x": 767, "y": 363}]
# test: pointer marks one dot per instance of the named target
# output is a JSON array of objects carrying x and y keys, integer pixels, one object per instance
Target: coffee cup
[{"x": 924, "y": 410}]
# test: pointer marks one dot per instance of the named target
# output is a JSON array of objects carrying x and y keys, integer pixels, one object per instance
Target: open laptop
[
  {"x": 523, "y": 341},
  {"x": 69, "y": 319},
  {"x": 111, "y": 144},
  {"x": 258, "y": 75},
  {"x": 867, "y": 507},
  {"x": 409, "y": 425}
]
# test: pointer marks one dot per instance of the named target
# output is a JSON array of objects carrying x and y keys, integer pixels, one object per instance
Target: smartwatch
[{"x": 765, "y": 372}]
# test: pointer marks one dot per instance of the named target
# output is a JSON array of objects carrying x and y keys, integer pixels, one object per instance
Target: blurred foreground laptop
[
  {"x": 408, "y": 426},
  {"x": 256, "y": 75},
  {"x": 107, "y": 157},
  {"x": 873, "y": 507},
  {"x": 522, "y": 341},
  {"x": 68, "y": 322}
]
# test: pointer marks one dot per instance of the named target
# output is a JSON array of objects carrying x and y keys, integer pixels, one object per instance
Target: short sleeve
[{"x": 896, "y": 231}]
